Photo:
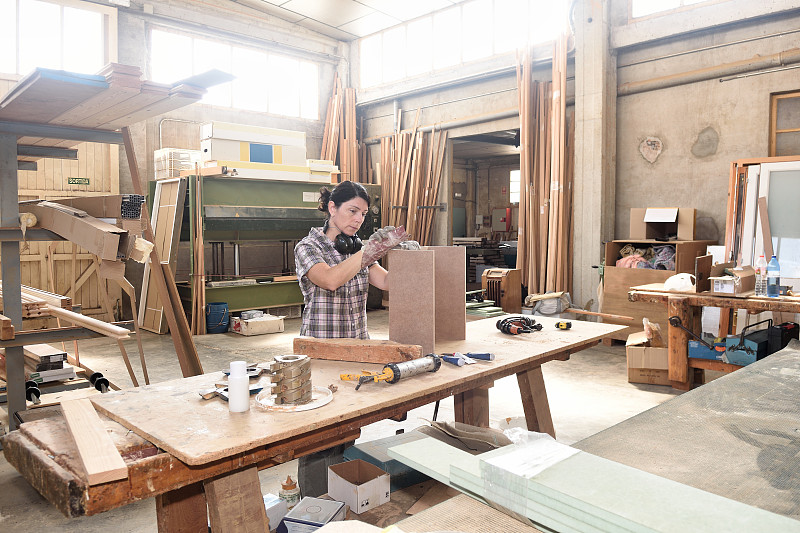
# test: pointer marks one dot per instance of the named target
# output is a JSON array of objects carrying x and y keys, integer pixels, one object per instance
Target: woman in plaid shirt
[
  {"x": 329, "y": 266},
  {"x": 334, "y": 286}
]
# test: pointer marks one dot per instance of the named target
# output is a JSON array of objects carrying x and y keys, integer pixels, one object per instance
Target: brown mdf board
[
  {"x": 356, "y": 350},
  {"x": 702, "y": 270},
  {"x": 235, "y": 504},
  {"x": 450, "y": 282},
  {"x": 166, "y": 219},
  {"x": 412, "y": 291},
  {"x": 100, "y": 457},
  {"x": 617, "y": 281},
  {"x": 174, "y": 417}
]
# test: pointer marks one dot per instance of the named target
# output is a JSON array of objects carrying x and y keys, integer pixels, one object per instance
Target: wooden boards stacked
[
  {"x": 411, "y": 170},
  {"x": 567, "y": 490},
  {"x": 546, "y": 175},
  {"x": 341, "y": 142},
  {"x": 111, "y": 99}
]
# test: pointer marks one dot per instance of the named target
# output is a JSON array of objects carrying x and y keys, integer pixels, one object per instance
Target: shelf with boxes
[{"x": 650, "y": 230}]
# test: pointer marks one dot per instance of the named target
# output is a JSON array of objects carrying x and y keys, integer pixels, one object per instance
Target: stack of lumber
[
  {"x": 114, "y": 97},
  {"x": 546, "y": 177},
  {"x": 43, "y": 364},
  {"x": 411, "y": 171},
  {"x": 341, "y": 142},
  {"x": 563, "y": 489},
  {"x": 485, "y": 309},
  {"x": 198, "y": 326},
  {"x": 35, "y": 301}
]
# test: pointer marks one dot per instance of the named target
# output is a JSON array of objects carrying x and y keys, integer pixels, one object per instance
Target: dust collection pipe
[{"x": 787, "y": 57}]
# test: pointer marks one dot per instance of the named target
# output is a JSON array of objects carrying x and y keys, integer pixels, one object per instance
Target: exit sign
[{"x": 78, "y": 181}]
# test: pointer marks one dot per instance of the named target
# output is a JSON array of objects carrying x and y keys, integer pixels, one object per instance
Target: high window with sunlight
[
  {"x": 470, "y": 31},
  {"x": 642, "y": 8},
  {"x": 513, "y": 187},
  {"x": 266, "y": 82},
  {"x": 53, "y": 34}
]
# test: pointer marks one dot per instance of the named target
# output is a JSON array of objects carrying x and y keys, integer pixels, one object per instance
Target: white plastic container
[
  {"x": 238, "y": 388},
  {"x": 761, "y": 276}
]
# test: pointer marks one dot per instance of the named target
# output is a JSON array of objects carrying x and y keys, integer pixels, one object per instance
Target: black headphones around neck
[{"x": 343, "y": 243}]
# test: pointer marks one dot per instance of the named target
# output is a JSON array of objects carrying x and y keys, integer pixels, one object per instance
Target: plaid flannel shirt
[{"x": 330, "y": 314}]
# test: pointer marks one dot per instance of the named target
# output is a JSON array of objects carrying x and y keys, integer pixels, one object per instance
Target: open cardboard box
[
  {"x": 359, "y": 484},
  {"x": 661, "y": 222},
  {"x": 645, "y": 363},
  {"x": 742, "y": 281}
]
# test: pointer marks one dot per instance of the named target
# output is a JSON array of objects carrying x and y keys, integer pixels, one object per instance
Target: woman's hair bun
[{"x": 324, "y": 198}]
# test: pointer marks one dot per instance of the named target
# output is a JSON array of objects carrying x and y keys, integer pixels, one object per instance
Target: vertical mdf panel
[
  {"x": 412, "y": 307},
  {"x": 450, "y": 270}
]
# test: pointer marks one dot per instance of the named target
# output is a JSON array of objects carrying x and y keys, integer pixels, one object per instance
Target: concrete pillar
[{"x": 595, "y": 144}]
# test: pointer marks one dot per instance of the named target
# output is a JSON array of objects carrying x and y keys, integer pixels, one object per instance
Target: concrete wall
[{"x": 704, "y": 124}]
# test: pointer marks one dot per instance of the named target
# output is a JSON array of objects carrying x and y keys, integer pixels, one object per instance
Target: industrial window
[
  {"x": 513, "y": 187},
  {"x": 784, "y": 124},
  {"x": 56, "y": 34},
  {"x": 470, "y": 31},
  {"x": 642, "y": 8},
  {"x": 265, "y": 82}
]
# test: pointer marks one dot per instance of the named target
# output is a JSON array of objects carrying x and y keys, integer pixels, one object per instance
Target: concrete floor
[{"x": 587, "y": 394}]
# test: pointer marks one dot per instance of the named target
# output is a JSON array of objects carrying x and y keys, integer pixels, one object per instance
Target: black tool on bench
[{"x": 514, "y": 325}]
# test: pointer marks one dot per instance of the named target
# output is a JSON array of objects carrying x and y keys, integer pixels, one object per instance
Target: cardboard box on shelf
[
  {"x": 646, "y": 364},
  {"x": 741, "y": 280},
  {"x": 359, "y": 484},
  {"x": 661, "y": 222}
]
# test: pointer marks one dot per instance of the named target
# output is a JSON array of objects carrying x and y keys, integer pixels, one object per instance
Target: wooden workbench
[
  {"x": 687, "y": 306},
  {"x": 214, "y": 442}
]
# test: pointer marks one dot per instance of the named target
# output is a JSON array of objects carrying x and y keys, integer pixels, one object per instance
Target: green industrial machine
[{"x": 238, "y": 210}]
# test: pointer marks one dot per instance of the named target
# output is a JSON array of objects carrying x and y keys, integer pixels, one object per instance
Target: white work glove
[
  {"x": 382, "y": 234},
  {"x": 409, "y": 245},
  {"x": 381, "y": 242}
]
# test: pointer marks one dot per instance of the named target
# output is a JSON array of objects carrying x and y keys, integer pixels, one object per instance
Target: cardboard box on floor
[
  {"x": 359, "y": 484},
  {"x": 257, "y": 326},
  {"x": 646, "y": 364},
  {"x": 660, "y": 222}
]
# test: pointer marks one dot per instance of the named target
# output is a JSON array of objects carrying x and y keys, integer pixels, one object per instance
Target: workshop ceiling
[
  {"x": 486, "y": 145},
  {"x": 346, "y": 20}
]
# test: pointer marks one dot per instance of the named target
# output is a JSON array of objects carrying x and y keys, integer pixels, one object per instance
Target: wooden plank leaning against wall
[{"x": 72, "y": 265}]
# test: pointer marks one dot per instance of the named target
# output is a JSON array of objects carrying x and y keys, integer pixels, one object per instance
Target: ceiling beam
[
  {"x": 490, "y": 139},
  {"x": 53, "y": 152}
]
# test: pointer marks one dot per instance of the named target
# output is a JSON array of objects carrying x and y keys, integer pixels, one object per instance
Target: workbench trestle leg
[
  {"x": 182, "y": 510},
  {"x": 534, "y": 401}
]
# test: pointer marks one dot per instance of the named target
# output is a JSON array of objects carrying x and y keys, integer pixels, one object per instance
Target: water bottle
[
  {"x": 773, "y": 277},
  {"x": 238, "y": 388},
  {"x": 761, "y": 276}
]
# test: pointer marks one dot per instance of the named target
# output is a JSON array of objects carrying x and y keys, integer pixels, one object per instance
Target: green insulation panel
[{"x": 260, "y": 296}]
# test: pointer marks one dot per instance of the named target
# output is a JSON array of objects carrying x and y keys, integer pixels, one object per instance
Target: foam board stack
[{"x": 261, "y": 153}]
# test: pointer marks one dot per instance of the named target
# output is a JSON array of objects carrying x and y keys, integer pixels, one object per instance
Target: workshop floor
[{"x": 587, "y": 394}]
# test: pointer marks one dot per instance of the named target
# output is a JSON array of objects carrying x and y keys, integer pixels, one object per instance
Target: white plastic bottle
[
  {"x": 238, "y": 388},
  {"x": 761, "y": 276}
]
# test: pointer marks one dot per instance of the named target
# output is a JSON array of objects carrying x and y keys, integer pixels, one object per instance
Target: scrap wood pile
[
  {"x": 411, "y": 171},
  {"x": 341, "y": 142},
  {"x": 546, "y": 177}
]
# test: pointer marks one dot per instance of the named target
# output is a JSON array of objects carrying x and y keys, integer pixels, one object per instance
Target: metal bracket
[{"x": 441, "y": 207}]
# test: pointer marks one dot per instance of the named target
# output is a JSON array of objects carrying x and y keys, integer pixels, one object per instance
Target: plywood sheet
[
  {"x": 174, "y": 417},
  {"x": 412, "y": 307},
  {"x": 450, "y": 274},
  {"x": 169, "y": 198}
]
